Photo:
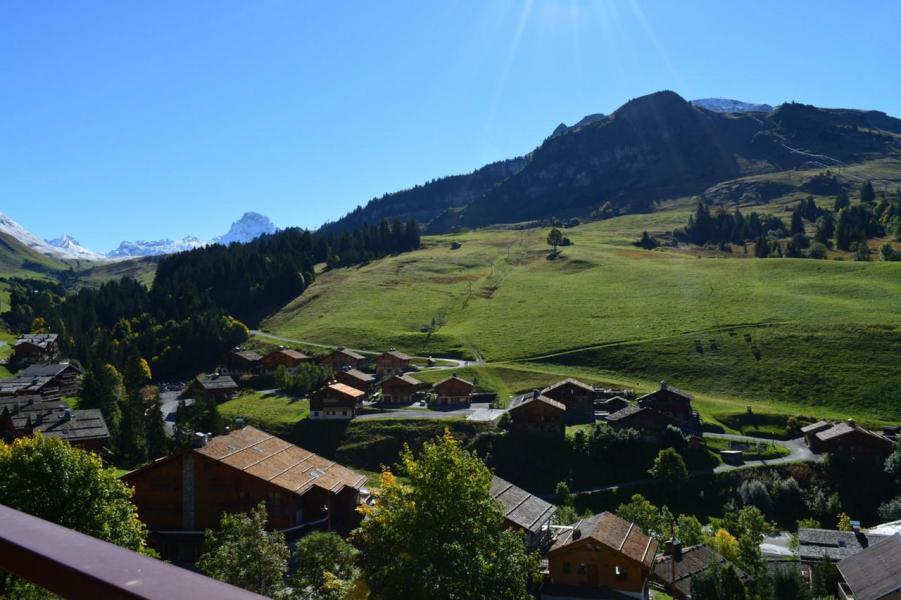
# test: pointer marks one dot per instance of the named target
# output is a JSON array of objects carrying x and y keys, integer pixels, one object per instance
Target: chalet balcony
[{"x": 74, "y": 565}]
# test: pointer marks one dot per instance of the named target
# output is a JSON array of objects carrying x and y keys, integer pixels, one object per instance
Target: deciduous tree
[
  {"x": 438, "y": 534},
  {"x": 245, "y": 554},
  {"x": 48, "y": 478}
]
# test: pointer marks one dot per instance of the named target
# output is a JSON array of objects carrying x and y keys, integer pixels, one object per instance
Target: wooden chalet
[
  {"x": 674, "y": 572},
  {"x": 51, "y": 381},
  {"x": 649, "y": 423},
  {"x": 216, "y": 386},
  {"x": 400, "y": 389},
  {"x": 873, "y": 573},
  {"x": 577, "y": 397},
  {"x": 525, "y": 512},
  {"x": 850, "y": 439},
  {"x": 537, "y": 414},
  {"x": 600, "y": 554},
  {"x": 284, "y": 357},
  {"x": 453, "y": 390},
  {"x": 335, "y": 401},
  {"x": 391, "y": 362},
  {"x": 23, "y": 416},
  {"x": 669, "y": 401},
  {"x": 356, "y": 379},
  {"x": 32, "y": 347},
  {"x": 180, "y": 496},
  {"x": 244, "y": 362},
  {"x": 612, "y": 405},
  {"x": 342, "y": 357}
]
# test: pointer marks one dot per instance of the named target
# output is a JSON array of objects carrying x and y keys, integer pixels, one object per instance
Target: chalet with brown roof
[
  {"x": 31, "y": 347},
  {"x": 453, "y": 390},
  {"x": 244, "y": 362},
  {"x": 52, "y": 381},
  {"x": 674, "y": 572},
  {"x": 873, "y": 573},
  {"x": 602, "y": 553},
  {"x": 649, "y": 423},
  {"x": 400, "y": 389},
  {"x": 850, "y": 439},
  {"x": 180, "y": 496},
  {"x": 391, "y": 362},
  {"x": 342, "y": 357},
  {"x": 284, "y": 357},
  {"x": 216, "y": 386},
  {"x": 356, "y": 379},
  {"x": 537, "y": 414},
  {"x": 525, "y": 512},
  {"x": 335, "y": 401},
  {"x": 669, "y": 401},
  {"x": 577, "y": 397},
  {"x": 23, "y": 416}
]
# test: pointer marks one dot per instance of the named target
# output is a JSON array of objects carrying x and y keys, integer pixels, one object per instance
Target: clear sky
[{"x": 142, "y": 120}]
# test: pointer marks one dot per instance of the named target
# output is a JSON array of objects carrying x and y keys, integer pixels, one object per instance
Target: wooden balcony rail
[{"x": 74, "y": 565}]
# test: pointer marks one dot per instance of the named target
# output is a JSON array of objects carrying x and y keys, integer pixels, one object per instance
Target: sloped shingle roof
[
  {"x": 875, "y": 572},
  {"x": 278, "y": 462},
  {"x": 520, "y": 507},
  {"x": 615, "y": 533}
]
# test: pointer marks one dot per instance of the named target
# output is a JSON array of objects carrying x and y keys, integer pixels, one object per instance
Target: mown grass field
[
  {"x": 267, "y": 411},
  {"x": 788, "y": 336}
]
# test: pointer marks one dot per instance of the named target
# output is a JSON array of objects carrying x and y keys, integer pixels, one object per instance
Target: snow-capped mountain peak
[
  {"x": 64, "y": 250},
  {"x": 155, "y": 248},
  {"x": 70, "y": 245},
  {"x": 730, "y": 106},
  {"x": 250, "y": 226}
]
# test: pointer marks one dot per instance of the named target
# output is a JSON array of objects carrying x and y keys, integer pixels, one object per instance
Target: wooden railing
[{"x": 74, "y": 565}]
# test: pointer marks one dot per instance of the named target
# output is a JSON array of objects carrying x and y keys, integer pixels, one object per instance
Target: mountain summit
[
  {"x": 727, "y": 105},
  {"x": 250, "y": 226},
  {"x": 73, "y": 249}
]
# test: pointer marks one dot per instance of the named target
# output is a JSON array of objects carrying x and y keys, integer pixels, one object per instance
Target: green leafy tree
[
  {"x": 104, "y": 389},
  {"x": 326, "y": 567},
  {"x": 689, "y": 530},
  {"x": 669, "y": 468},
  {"x": 438, "y": 534},
  {"x": 48, "y": 478},
  {"x": 718, "y": 583},
  {"x": 555, "y": 238},
  {"x": 893, "y": 463},
  {"x": 887, "y": 252},
  {"x": 243, "y": 553},
  {"x": 643, "y": 513}
]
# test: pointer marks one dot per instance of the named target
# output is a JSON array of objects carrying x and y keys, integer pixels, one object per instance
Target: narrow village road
[
  {"x": 452, "y": 363},
  {"x": 798, "y": 452}
]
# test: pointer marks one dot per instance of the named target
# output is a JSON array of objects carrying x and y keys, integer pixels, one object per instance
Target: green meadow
[{"x": 784, "y": 335}]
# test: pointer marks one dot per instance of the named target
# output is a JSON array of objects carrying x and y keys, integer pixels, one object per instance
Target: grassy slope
[{"x": 824, "y": 335}]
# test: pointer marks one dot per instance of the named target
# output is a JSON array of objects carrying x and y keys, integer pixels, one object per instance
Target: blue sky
[{"x": 142, "y": 120}]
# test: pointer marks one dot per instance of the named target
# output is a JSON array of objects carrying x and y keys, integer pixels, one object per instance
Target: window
[
  {"x": 567, "y": 567},
  {"x": 343, "y": 413},
  {"x": 581, "y": 569},
  {"x": 621, "y": 573}
]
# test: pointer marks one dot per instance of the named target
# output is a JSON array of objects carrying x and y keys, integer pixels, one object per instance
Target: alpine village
[{"x": 656, "y": 357}]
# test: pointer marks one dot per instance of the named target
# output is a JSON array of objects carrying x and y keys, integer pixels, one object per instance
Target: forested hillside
[{"x": 199, "y": 302}]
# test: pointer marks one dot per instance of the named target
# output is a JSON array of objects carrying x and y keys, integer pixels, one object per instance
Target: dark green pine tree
[
  {"x": 797, "y": 225},
  {"x": 155, "y": 431},
  {"x": 842, "y": 200},
  {"x": 867, "y": 193}
]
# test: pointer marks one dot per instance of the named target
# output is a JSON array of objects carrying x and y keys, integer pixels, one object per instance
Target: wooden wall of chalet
[{"x": 600, "y": 563}]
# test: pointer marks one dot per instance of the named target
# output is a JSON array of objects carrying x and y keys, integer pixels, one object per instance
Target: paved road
[
  {"x": 450, "y": 363},
  {"x": 479, "y": 411},
  {"x": 798, "y": 452}
]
